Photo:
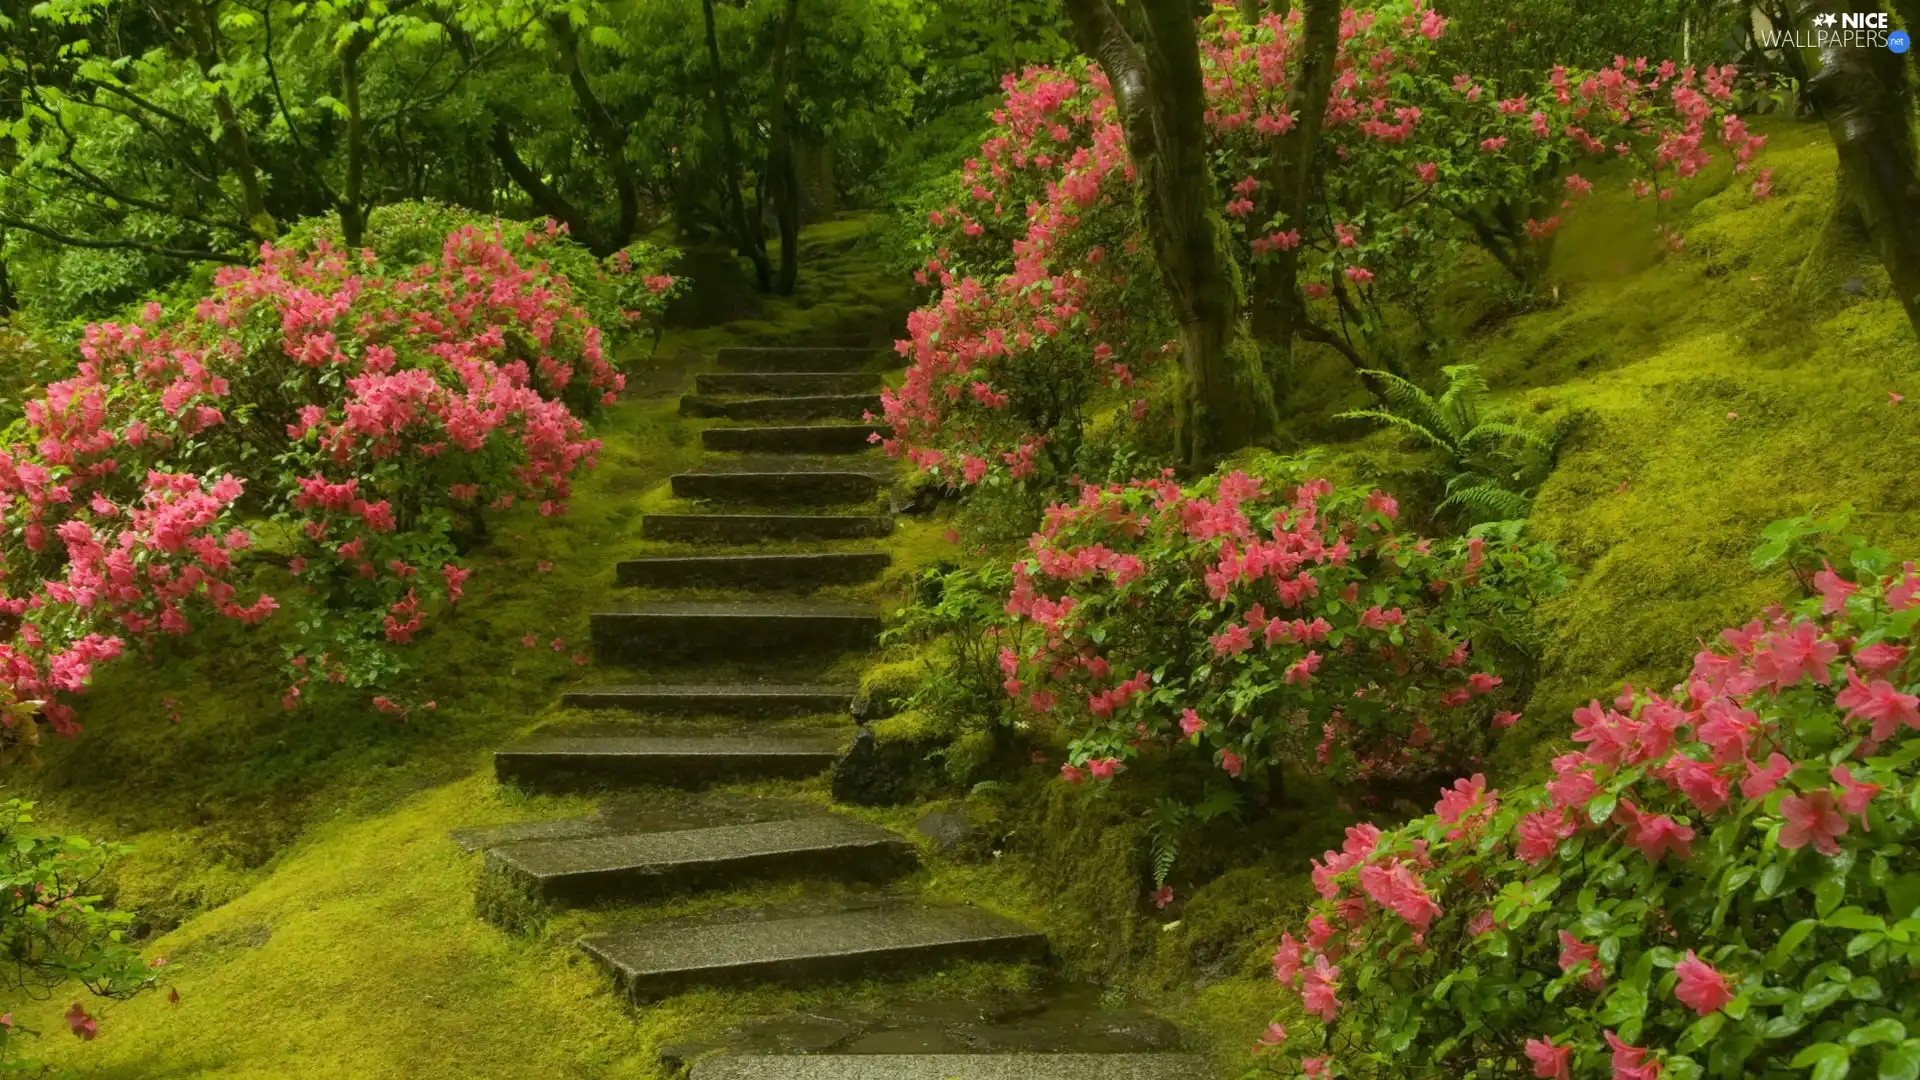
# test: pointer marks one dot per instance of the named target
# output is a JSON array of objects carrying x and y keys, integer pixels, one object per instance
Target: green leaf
[
  {"x": 1790, "y": 941},
  {"x": 1884, "y": 1030},
  {"x": 1601, "y": 808},
  {"x": 1902, "y": 1062},
  {"x": 1829, "y": 1061}
]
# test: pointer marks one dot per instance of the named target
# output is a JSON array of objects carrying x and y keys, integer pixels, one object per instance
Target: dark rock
[
  {"x": 793, "y": 358},
  {"x": 799, "y": 439},
  {"x": 787, "y": 383},
  {"x": 803, "y": 571},
  {"x": 714, "y": 699},
  {"x": 674, "y": 632},
  {"x": 574, "y": 763},
  {"x": 747, "y": 528}
]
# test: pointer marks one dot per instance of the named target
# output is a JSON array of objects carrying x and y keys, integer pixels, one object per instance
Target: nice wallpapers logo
[{"x": 1859, "y": 29}]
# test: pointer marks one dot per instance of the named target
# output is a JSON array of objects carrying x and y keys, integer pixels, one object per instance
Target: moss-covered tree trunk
[
  {"x": 1151, "y": 57},
  {"x": 200, "y": 21},
  {"x": 783, "y": 175},
  {"x": 609, "y": 138},
  {"x": 1862, "y": 94},
  {"x": 748, "y": 237},
  {"x": 1278, "y": 308}
]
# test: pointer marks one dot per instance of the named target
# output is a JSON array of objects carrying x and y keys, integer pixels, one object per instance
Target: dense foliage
[
  {"x": 54, "y": 927},
  {"x": 359, "y": 422},
  {"x": 1718, "y": 881},
  {"x": 1049, "y": 307}
]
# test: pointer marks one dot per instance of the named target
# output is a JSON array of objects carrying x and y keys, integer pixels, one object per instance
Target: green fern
[
  {"x": 1163, "y": 837},
  {"x": 1489, "y": 468}
]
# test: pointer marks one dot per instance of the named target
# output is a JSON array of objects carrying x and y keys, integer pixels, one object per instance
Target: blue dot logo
[{"x": 1899, "y": 42}]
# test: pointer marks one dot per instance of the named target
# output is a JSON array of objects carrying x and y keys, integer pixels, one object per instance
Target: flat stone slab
[
  {"x": 784, "y": 407},
  {"x": 653, "y": 961},
  {"x": 787, "y": 383},
  {"x": 802, "y": 571},
  {"x": 724, "y": 630},
  {"x": 749, "y": 528},
  {"x": 715, "y": 699},
  {"x": 580, "y": 762},
  {"x": 774, "y": 483},
  {"x": 955, "y": 1067},
  {"x": 645, "y": 865},
  {"x": 793, "y": 358},
  {"x": 799, "y": 439}
]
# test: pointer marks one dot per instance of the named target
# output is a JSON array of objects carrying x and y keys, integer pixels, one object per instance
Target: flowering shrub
[
  {"x": 1718, "y": 881},
  {"x": 55, "y": 930},
  {"x": 368, "y": 415},
  {"x": 1258, "y": 623},
  {"x": 1050, "y": 307}
]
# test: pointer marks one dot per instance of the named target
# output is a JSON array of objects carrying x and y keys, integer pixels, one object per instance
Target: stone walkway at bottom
[{"x": 793, "y": 465}]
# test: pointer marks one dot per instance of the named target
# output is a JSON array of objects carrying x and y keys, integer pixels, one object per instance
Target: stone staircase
[{"x": 736, "y": 662}]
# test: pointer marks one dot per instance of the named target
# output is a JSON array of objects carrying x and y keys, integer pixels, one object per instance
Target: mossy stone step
[
  {"x": 806, "y": 407},
  {"x": 954, "y": 1067},
  {"x": 653, "y": 961},
  {"x": 581, "y": 762},
  {"x": 803, "y": 571},
  {"x": 716, "y": 699},
  {"x": 639, "y": 866},
  {"x": 793, "y": 358},
  {"x": 786, "y": 383},
  {"x": 724, "y": 630},
  {"x": 796, "y": 439},
  {"x": 776, "y": 483},
  {"x": 748, "y": 528}
]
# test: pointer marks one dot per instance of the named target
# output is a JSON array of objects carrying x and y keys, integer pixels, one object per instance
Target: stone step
[
  {"x": 787, "y": 383},
  {"x": 653, "y": 961},
  {"x": 755, "y": 571},
  {"x": 748, "y": 528},
  {"x": 579, "y": 762},
  {"x": 805, "y": 407},
  {"x": 774, "y": 483},
  {"x": 716, "y": 699},
  {"x": 793, "y": 358},
  {"x": 797, "y": 439},
  {"x": 832, "y": 341},
  {"x": 642, "y": 866},
  {"x": 725, "y": 630},
  {"x": 954, "y": 1067}
]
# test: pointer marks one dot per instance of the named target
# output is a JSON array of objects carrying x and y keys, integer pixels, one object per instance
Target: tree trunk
[
  {"x": 1862, "y": 94},
  {"x": 1279, "y": 309},
  {"x": 544, "y": 198},
  {"x": 1841, "y": 253},
  {"x": 749, "y": 239},
  {"x": 782, "y": 174},
  {"x": 1249, "y": 11},
  {"x": 609, "y": 136},
  {"x": 353, "y": 211},
  {"x": 1152, "y": 61},
  {"x": 206, "y": 53}
]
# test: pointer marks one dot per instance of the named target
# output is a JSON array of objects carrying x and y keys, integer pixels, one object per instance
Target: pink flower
[
  {"x": 1550, "y": 1062},
  {"x": 1427, "y": 171},
  {"x": 1880, "y": 657},
  {"x": 1879, "y": 702},
  {"x": 1494, "y": 145},
  {"x": 1359, "y": 275},
  {"x": 1481, "y": 923},
  {"x": 1103, "y": 768},
  {"x": 1317, "y": 1067},
  {"x": 1190, "y": 723},
  {"x": 1760, "y": 782},
  {"x": 1814, "y": 819},
  {"x": 1504, "y": 720},
  {"x": 1576, "y": 956},
  {"x": 1072, "y": 775},
  {"x": 1273, "y": 1037},
  {"x": 1286, "y": 960},
  {"x": 1230, "y": 761},
  {"x": 84, "y": 1026},
  {"x": 1655, "y": 835},
  {"x": 1629, "y": 1062},
  {"x": 1163, "y": 896},
  {"x": 1700, "y": 987},
  {"x": 1540, "y": 834},
  {"x": 1855, "y": 795},
  {"x": 1320, "y": 991},
  {"x": 1833, "y": 591},
  {"x": 1301, "y": 671}
]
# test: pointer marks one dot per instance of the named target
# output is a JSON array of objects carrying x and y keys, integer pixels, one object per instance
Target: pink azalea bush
[
  {"x": 1718, "y": 880},
  {"x": 353, "y": 419},
  {"x": 1049, "y": 309},
  {"x": 1259, "y": 621}
]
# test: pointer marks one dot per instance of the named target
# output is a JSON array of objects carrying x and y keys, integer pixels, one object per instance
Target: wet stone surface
[{"x": 1073, "y": 1019}]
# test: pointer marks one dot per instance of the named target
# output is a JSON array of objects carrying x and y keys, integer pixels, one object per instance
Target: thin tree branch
[{"x": 96, "y": 244}]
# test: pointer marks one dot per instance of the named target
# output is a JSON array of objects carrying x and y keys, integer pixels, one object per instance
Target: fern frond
[
  {"x": 1488, "y": 431},
  {"x": 1460, "y": 402},
  {"x": 1407, "y": 399},
  {"x": 1488, "y": 502},
  {"x": 1403, "y": 425}
]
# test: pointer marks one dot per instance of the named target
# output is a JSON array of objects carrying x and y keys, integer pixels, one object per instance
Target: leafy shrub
[
  {"x": 360, "y": 420},
  {"x": 1720, "y": 881},
  {"x": 55, "y": 929},
  {"x": 1251, "y": 623},
  {"x": 1491, "y": 467},
  {"x": 1051, "y": 310}
]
